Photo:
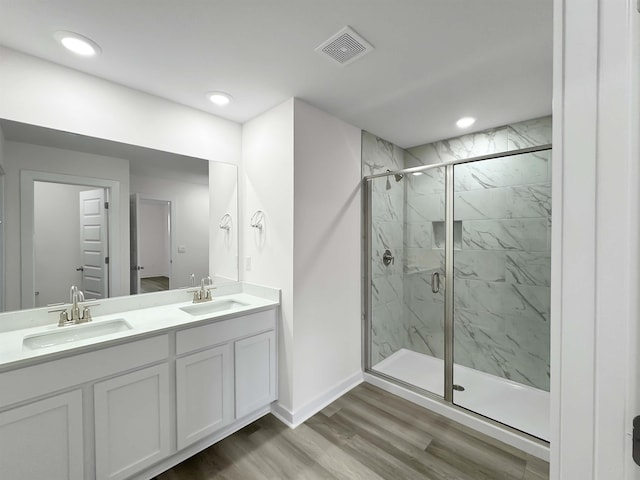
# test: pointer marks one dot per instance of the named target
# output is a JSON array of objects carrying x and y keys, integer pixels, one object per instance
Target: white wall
[
  {"x": 327, "y": 253},
  {"x": 302, "y": 168},
  {"x": 267, "y": 163},
  {"x": 191, "y": 224},
  {"x": 80, "y": 103},
  {"x": 56, "y": 241},
  {"x": 22, "y": 156},
  {"x": 223, "y": 194},
  {"x": 595, "y": 239}
]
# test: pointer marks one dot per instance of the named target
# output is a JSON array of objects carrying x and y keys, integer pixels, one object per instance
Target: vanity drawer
[
  {"x": 224, "y": 331},
  {"x": 30, "y": 382}
]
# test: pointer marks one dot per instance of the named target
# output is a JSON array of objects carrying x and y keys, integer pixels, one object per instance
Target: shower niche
[{"x": 439, "y": 234}]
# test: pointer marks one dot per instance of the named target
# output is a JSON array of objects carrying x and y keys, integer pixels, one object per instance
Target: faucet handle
[{"x": 64, "y": 319}]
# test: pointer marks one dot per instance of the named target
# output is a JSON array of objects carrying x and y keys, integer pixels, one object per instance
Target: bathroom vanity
[{"x": 150, "y": 381}]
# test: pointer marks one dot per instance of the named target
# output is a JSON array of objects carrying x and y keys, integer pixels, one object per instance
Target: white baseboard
[
  {"x": 530, "y": 446},
  {"x": 293, "y": 419},
  {"x": 282, "y": 413}
]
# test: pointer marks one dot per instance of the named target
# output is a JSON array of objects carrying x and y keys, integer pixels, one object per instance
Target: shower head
[{"x": 398, "y": 176}]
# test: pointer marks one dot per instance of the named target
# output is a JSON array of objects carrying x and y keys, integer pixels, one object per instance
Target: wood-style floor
[
  {"x": 367, "y": 434},
  {"x": 154, "y": 284}
]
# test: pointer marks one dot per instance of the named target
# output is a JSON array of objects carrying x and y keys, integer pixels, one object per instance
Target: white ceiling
[{"x": 434, "y": 60}]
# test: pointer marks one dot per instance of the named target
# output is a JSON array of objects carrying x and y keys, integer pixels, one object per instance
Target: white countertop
[{"x": 148, "y": 318}]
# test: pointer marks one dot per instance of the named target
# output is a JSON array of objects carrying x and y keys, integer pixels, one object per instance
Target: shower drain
[{"x": 458, "y": 388}]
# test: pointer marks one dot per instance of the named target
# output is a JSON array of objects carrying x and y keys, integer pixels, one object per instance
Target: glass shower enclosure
[{"x": 457, "y": 283}]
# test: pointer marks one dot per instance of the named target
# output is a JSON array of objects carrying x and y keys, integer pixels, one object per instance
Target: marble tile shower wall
[
  {"x": 388, "y": 215},
  {"x": 502, "y": 213}
]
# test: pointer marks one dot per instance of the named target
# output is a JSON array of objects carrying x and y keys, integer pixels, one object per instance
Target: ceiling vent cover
[{"x": 345, "y": 47}]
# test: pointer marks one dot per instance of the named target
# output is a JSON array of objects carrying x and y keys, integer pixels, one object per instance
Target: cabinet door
[
  {"x": 43, "y": 440},
  {"x": 204, "y": 384},
  {"x": 132, "y": 422},
  {"x": 255, "y": 367}
]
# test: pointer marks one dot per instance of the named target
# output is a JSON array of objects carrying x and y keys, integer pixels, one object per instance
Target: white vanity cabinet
[
  {"x": 232, "y": 374},
  {"x": 132, "y": 422},
  {"x": 44, "y": 411},
  {"x": 204, "y": 394},
  {"x": 133, "y": 408},
  {"x": 43, "y": 439},
  {"x": 255, "y": 372}
]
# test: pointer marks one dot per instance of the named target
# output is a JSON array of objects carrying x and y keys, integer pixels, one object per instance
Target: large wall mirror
[{"x": 112, "y": 218}]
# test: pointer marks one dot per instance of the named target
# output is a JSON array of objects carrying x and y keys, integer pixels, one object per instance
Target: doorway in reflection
[
  {"x": 151, "y": 231},
  {"x": 70, "y": 241}
]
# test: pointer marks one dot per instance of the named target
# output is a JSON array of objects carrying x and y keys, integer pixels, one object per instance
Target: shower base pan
[{"x": 518, "y": 406}]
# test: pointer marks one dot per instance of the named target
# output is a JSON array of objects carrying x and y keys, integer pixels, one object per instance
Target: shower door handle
[{"x": 435, "y": 282}]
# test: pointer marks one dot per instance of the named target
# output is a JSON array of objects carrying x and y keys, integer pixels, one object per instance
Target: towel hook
[
  {"x": 257, "y": 219},
  {"x": 225, "y": 222}
]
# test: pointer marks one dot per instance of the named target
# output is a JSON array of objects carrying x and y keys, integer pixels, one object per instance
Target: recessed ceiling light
[
  {"x": 77, "y": 44},
  {"x": 219, "y": 98},
  {"x": 465, "y": 122}
]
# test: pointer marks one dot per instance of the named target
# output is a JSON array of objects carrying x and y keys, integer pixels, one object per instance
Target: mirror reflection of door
[
  {"x": 150, "y": 255},
  {"x": 70, "y": 241}
]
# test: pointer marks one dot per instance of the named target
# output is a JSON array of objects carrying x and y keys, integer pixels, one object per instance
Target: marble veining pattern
[
  {"x": 529, "y": 234},
  {"x": 529, "y": 201},
  {"x": 480, "y": 265},
  {"x": 528, "y": 268},
  {"x": 379, "y": 155},
  {"x": 523, "y": 169},
  {"x": 502, "y": 259},
  {"x": 466, "y": 146},
  {"x": 388, "y": 219}
]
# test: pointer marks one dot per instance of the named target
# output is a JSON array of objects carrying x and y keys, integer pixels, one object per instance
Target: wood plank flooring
[
  {"x": 154, "y": 284},
  {"x": 366, "y": 434}
]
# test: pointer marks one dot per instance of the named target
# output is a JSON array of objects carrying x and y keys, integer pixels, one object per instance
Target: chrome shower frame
[{"x": 367, "y": 224}]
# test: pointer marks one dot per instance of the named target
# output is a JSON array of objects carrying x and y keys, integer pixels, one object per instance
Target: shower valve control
[{"x": 387, "y": 258}]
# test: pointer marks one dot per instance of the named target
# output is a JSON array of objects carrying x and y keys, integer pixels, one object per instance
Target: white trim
[
  {"x": 532, "y": 447},
  {"x": 27, "y": 179},
  {"x": 3, "y": 276},
  {"x": 633, "y": 339},
  {"x": 595, "y": 256},
  {"x": 293, "y": 419},
  {"x": 282, "y": 413},
  {"x": 555, "y": 316}
]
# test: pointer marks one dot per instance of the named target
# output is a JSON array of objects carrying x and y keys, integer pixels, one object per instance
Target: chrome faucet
[
  {"x": 203, "y": 294},
  {"x": 75, "y": 315}
]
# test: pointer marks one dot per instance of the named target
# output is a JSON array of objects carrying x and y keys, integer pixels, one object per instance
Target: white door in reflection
[
  {"x": 94, "y": 246},
  {"x": 70, "y": 241}
]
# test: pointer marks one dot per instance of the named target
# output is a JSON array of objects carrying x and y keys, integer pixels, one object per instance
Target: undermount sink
[
  {"x": 215, "y": 306},
  {"x": 74, "y": 333}
]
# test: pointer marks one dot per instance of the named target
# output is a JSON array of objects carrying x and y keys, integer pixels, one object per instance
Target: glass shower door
[
  {"x": 407, "y": 296},
  {"x": 501, "y": 304}
]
